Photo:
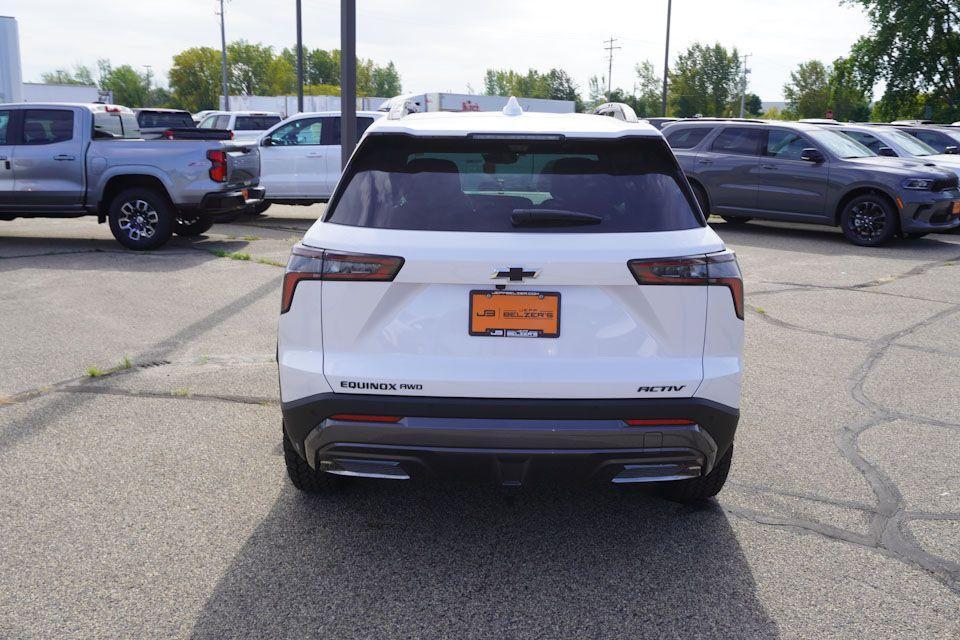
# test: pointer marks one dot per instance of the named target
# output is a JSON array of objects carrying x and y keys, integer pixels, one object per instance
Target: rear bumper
[
  {"x": 510, "y": 441},
  {"x": 230, "y": 200}
]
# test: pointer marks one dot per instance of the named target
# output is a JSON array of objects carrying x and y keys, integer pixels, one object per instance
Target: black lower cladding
[{"x": 448, "y": 437}]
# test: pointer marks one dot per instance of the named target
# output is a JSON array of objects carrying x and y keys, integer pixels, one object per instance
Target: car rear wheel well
[
  {"x": 863, "y": 191},
  {"x": 700, "y": 192},
  {"x": 119, "y": 183}
]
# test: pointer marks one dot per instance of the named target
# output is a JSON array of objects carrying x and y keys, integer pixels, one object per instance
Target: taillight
[
  {"x": 719, "y": 269},
  {"x": 168, "y": 134},
  {"x": 356, "y": 417},
  {"x": 659, "y": 422},
  {"x": 317, "y": 264},
  {"x": 218, "y": 165}
]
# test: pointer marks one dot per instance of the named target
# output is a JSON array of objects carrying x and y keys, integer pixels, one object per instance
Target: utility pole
[
  {"x": 348, "y": 79},
  {"x": 299, "y": 60},
  {"x": 610, "y": 49},
  {"x": 666, "y": 58},
  {"x": 223, "y": 61},
  {"x": 743, "y": 87}
]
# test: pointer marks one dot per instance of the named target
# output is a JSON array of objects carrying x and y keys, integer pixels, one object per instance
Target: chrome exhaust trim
[
  {"x": 636, "y": 473},
  {"x": 382, "y": 469}
]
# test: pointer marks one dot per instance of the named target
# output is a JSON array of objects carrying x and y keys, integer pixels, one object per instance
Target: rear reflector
[
  {"x": 659, "y": 422},
  {"x": 356, "y": 417},
  {"x": 719, "y": 269},
  {"x": 317, "y": 264}
]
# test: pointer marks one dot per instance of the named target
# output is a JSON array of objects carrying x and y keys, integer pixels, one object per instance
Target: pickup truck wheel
[
  {"x": 698, "y": 489},
  {"x": 189, "y": 227},
  {"x": 303, "y": 476},
  {"x": 868, "y": 221},
  {"x": 141, "y": 218}
]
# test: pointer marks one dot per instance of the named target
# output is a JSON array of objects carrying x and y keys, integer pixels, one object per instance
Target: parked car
[
  {"x": 199, "y": 116},
  {"x": 799, "y": 172},
  {"x": 246, "y": 125},
  {"x": 894, "y": 142},
  {"x": 511, "y": 297},
  {"x": 300, "y": 157},
  {"x": 660, "y": 123},
  {"x": 154, "y": 122},
  {"x": 70, "y": 160},
  {"x": 943, "y": 139}
]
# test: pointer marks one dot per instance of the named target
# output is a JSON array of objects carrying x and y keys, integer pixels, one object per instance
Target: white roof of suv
[{"x": 571, "y": 125}]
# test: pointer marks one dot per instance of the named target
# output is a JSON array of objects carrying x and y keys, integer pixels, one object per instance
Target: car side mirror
[
  {"x": 952, "y": 150},
  {"x": 267, "y": 141},
  {"x": 811, "y": 155},
  {"x": 887, "y": 152}
]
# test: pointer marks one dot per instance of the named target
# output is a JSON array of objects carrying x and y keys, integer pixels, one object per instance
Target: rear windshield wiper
[{"x": 552, "y": 218}]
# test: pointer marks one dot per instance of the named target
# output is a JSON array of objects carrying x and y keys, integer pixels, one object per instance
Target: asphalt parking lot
[{"x": 150, "y": 500}]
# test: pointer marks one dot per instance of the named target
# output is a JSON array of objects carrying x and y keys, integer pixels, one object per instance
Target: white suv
[{"x": 511, "y": 297}]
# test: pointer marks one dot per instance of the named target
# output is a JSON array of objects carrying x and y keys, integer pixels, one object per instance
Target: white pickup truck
[{"x": 71, "y": 160}]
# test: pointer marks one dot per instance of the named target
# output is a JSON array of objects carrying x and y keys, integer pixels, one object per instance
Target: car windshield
[
  {"x": 840, "y": 145},
  {"x": 911, "y": 145},
  {"x": 158, "y": 119},
  {"x": 462, "y": 184}
]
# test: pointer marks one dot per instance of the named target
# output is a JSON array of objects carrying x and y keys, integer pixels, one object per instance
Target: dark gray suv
[{"x": 798, "y": 172}]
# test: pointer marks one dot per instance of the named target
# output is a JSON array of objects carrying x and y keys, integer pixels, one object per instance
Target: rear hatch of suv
[{"x": 525, "y": 267}]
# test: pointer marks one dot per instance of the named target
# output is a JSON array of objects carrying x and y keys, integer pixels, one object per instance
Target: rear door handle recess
[
  {"x": 705, "y": 161},
  {"x": 314, "y": 155},
  {"x": 64, "y": 157}
]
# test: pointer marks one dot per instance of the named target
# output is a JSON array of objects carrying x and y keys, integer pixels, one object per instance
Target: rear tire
[
  {"x": 702, "y": 488},
  {"x": 736, "y": 220},
  {"x": 190, "y": 227},
  {"x": 303, "y": 476},
  {"x": 868, "y": 220},
  {"x": 141, "y": 218}
]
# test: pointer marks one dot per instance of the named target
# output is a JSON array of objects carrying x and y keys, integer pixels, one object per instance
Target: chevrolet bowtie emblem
[{"x": 514, "y": 274}]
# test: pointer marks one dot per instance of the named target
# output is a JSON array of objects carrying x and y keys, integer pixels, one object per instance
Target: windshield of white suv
[
  {"x": 911, "y": 145},
  {"x": 463, "y": 184},
  {"x": 840, "y": 145}
]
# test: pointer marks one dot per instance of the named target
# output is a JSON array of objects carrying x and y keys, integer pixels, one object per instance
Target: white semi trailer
[
  {"x": 11, "y": 81},
  {"x": 467, "y": 102}
]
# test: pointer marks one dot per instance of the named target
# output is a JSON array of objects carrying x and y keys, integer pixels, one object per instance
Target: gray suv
[{"x": 797, "y": 172}]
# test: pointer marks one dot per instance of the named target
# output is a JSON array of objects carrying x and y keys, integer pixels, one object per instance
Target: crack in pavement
[{"x": 203, "y": 397}]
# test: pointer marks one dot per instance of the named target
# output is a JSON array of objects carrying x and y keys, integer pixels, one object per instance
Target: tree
[
  {"x": 815, "y": 89},
  {"x": 649, "y": 99},
  {"x": 386, "y": 81},
  {"x": 753, "y": 105},
  {"x": 80, "y": 75},
  {"x": 195, "y": 78},
  {"x": 249, "y": 66},
  {"x": 914, "y": 48},
  {"x": 704, "y": 79},
  {"x": 129, "y": 87}
]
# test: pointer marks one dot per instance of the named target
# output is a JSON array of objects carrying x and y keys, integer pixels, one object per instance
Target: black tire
[
  {"x": 702, "y": 199},
  {"x": 257, "y": 209},
  {"x": 303, "y": 476},
  {"x": 736, "y": 220},
  {"x": 190, "y": 226},
  {"x": 702, "y": 488},
  {"x": 869, "y": 220},
  {"x": 141, "y": 218}
]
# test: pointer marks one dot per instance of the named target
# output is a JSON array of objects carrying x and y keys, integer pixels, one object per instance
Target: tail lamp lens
[
  {"x": 719, "y": 269},
  {"x": 317, "y": 264},
  {"x": 218, "y": 165}
]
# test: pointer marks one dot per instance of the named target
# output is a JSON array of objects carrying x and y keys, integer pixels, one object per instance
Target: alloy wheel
[
  {"x": 868, "y": 220},
  {"x": 138, "y": 219}
]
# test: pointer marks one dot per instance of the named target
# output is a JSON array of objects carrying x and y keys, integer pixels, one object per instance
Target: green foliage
[
  {"x": 815, "y": 89},
  {"x": 555, "y": 84},
  {"x": 753, "y": 105},
  {"x": 914, "y": 48},
  {"x": 648, "y": 91},
  {"x": 80, "y": 75},
  {"x": 130, "y": 87},
  {"x": 195, "y": 78},
  {"x": 704, "y": 81}
]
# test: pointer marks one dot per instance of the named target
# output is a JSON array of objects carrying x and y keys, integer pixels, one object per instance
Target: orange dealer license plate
[
  {"x": 515, "y": 314},
  {"x": 956, "y": 208}
]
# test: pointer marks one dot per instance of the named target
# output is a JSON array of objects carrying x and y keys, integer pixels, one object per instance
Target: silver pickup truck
[{"x": 71, "y": 160}]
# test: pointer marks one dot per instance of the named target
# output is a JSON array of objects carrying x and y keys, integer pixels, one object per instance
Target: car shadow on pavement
[{"x": 456, "y": 561}]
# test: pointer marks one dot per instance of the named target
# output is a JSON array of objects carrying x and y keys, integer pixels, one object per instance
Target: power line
[{"x": 610, "y": 49}]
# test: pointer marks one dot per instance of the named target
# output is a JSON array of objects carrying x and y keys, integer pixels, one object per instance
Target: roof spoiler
[{"x": 618, "y": 110}]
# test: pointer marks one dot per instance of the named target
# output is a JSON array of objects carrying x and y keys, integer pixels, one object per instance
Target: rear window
[
  {"x": 687, "y": 138},
  {"x": 457, "y": 184},
  {"x": 255, "y": 123},
  {"x": 122, "y": 125},
  {"x": 739, "y": 141},
  {"x": 158, "y": 119}
]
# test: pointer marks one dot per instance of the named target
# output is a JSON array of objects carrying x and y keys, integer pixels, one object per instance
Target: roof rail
[
  {"x": 820, "y": 121},
  {"x": 618, "y": 110}
]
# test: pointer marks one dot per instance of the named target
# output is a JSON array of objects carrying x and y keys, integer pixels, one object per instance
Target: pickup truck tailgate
[{"x": 243, "y": 164}]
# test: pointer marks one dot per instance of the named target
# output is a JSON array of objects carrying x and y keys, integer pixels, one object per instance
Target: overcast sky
[{"x": 442, "y": 45}]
